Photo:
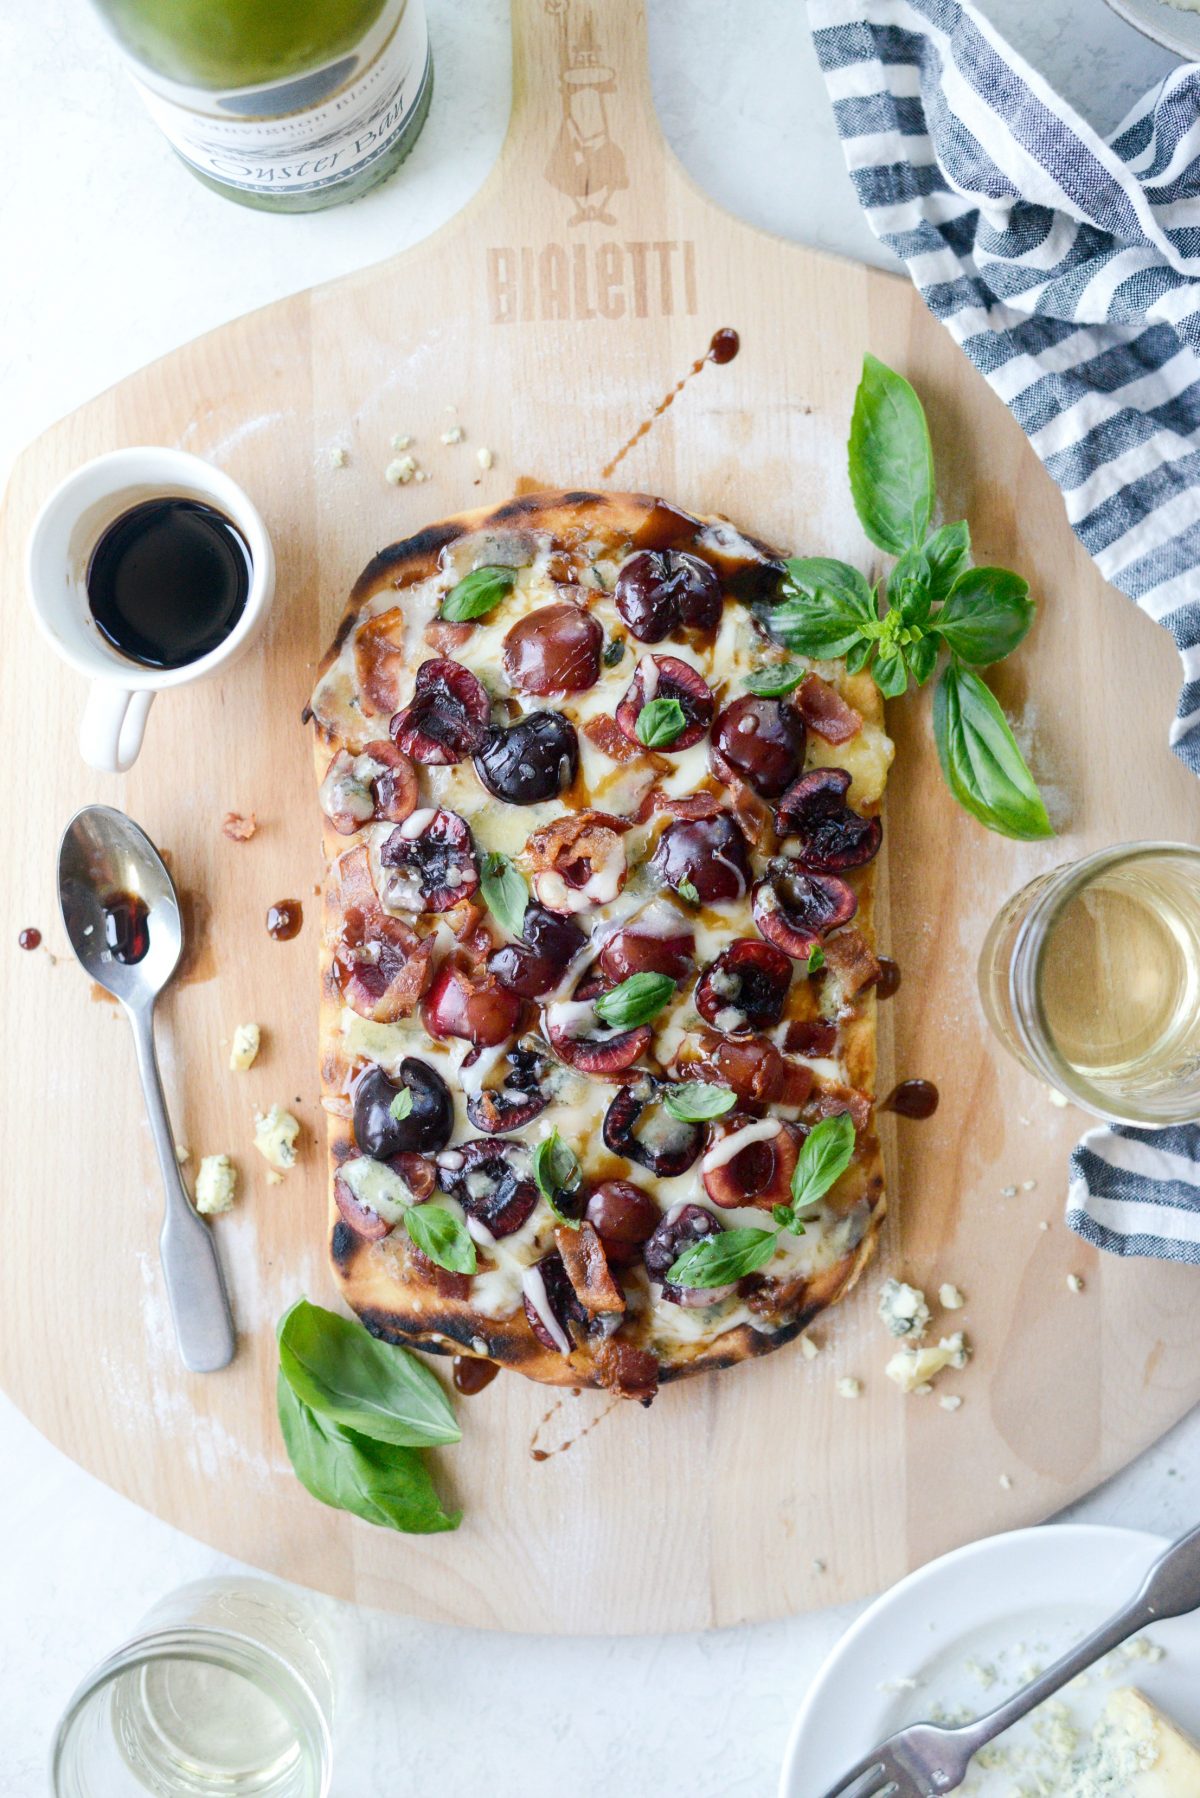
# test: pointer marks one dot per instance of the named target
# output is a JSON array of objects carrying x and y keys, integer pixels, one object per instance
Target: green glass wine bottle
[{"x": 288, "y": 105}]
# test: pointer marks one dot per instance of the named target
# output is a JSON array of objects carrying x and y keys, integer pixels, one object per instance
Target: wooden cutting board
[{"x": 550, "y": 319}]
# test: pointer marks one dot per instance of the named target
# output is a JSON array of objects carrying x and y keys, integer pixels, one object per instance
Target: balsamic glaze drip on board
[
  {"x": 912, "y": 1099},
  {"x": 126, "y": 927},
  {"x": 471, "y": 1375},
  {"x": 168, "y": 581},
  {"x": 284, "y": 919},
  {"x": 889, "y": 980},
  {"x": 723, "y": 348},
  {"x": 30, "y": 938}
]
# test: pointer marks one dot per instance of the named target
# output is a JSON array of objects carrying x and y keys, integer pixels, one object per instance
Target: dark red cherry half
[
  {"x": 447, "y": 717},
  {"x": 672, "y": 679},
  {"x": 745, "y": 987},
  {"x": 623, "y": 1217},
  {"x": 393, "y": 790},
  {"x": 559, "y": 1298},
  {"x": 794, "y": 909},
  {"x": 606, "y": 1055},
  {"x": 536, "y": 965},
  {"x": 430, "y": 863},
  {"x": 832, "y": 837},
  {"x": 762, "y": 740},
  {"x": 516, "y": 1092},
  {"x": 681, "y": 1227},
  {"x": 630, "y": 951},
  {"x": 759, "y": 1171},
  {"x": 555, "y": 649},
  {"x": 492, "y": 1179},
  {"x": 666, "y": 1146},
  {"x": 470, "y": 1003},
  {"x": 658, "y": 590},
  {"x": 707, "y": 854}
]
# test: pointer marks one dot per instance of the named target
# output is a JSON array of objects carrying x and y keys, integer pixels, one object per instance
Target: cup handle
[{"x": 113, "y": 724}]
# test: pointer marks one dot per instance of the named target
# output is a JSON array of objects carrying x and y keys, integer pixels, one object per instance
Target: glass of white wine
[
  {"x": 1090, "y": 976},
  {"x": 227, "y": 1688}
]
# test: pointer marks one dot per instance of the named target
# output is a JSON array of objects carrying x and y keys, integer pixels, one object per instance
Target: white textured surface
[{"x": 113, "y": 255}]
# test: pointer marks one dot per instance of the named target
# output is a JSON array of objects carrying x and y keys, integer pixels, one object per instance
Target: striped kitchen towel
[{"x": 1067, "y": 267}]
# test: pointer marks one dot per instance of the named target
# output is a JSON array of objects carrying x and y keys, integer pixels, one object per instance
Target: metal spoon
[{"x": 104, "y": 855}]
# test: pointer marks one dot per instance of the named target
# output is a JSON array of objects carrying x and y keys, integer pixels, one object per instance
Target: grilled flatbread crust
[{"x": 579, "y": 539}]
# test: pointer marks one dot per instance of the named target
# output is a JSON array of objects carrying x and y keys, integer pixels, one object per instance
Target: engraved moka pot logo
[{"x": 585, "y": 163}]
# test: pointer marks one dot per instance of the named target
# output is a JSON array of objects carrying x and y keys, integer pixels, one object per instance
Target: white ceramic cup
[{"x": 67, "y": 529}]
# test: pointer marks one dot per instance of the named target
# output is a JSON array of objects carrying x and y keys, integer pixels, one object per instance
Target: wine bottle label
[{"x": 314, "y": 131}]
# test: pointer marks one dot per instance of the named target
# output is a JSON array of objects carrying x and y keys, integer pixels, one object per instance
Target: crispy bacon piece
[
  {"x": 830, "y": 1098},
  {"x": 700, "y": 805},
  {"x": 811, "y": 1036},
  {"x": 628, "y": 1371},
  {"x": 853, "y": 961},
  {"x": 446, "y": 637},
  {"x": 382, "y": 965},
  {"x": 572, "y": 854},
  {"x": 824, "y": 710},
  {"x": 379, "y": 659},
  {"x": 240, "y": 829},
  {"x": 604, "y": 735},
  {"x": 749, "y": 808},
  {"x": 447, "y": 1285},
  {"x": 588, "y": 1271},
  {"x": 797, "y": 1083},
  {"x": 751, "y": 1066}
]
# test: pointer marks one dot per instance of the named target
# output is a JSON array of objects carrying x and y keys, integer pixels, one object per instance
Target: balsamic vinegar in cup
[{"x": 168, "y": 581}]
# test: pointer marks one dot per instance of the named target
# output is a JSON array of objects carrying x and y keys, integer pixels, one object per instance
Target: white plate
[
  {"x": 1004, "y": 1606},
  {"x": 1167, "y": 25}
]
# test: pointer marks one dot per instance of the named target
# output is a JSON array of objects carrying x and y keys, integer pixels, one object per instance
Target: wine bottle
[{"x": 288, "y": 105}]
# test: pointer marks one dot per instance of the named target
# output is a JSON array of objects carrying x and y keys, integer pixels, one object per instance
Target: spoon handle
[{"x": 195, "y": 1285}]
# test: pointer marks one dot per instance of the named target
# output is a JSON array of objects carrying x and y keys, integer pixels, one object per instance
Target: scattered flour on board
[
  {"x": 1025, "y": 730},
  {"x": 233, "y": 439}
]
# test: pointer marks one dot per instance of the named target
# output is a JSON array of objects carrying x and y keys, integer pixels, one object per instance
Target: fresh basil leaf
[
  {"x": 695, "y": 1101},
  {"x": 719, "y": 1260},
  {"x": 891, "y": 460},
  {"x": 987, "y": 614},
  {"x": 816, "y": 960},
  {"x": 614, "y": 652},
  {"x": 688, "y": 891},
  {"x": 921, "y": 657},
  {"x": 659, "y": 722},
  {"x": 858, "y": 655},
  {"x": 983, "y": 767},
  {"x": 505, "y": 891},
  {"x": 383, "y": 1484},
  {"x": 635, "y": 1001},
  {"x": 557, "y": 1174},
  {"x": 825, "y": 1154},
  {"x": 776, "y": 679},
  {"x": 890, "y": 674},
  {"x": 827, "y": 607},
  {"x": 336, "y": 1368},
  {"x": 908, "y": 588},
  {"x": 948, "y": 553},
  {"x": 785, "y": 1217},
  {"x": 478, "y": 593},
  {"x": 401, "y": 1105},
  {"x": 442, "y": 1236}
]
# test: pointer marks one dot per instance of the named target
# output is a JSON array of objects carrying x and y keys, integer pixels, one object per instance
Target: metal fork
[{"x": 924, "y": 1760}]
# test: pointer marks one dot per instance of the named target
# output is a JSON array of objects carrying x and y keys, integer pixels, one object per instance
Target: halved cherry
[
  {"x": 492, "y": 1181},
  {"x": 794, "y": 909},
  {"x": 555, "y": 649},
  {"x": 660, "y": 941},
  {"x": 532, "y": 760},
  {"x": 550, "y": 1303},
  {"x": 750, "y": 1163},
  {"x": 658, "y": 590},
  {"x": 380, "y": 783},
  {"x": 762, "y": 740},
  {"x": 667, "y": 1146},
  {"x": 832, "y": 837},
  {"x": 470, "y": 1003},
  {"x": 381, "y": 965},
  {"x": 666, "y": 677},
  {"x": 745, "y": 987},
  {"x": 430, "y": 860},
  {"x": 706, "y": 854},
  {"x": 536, "y": 965},
  {"x": 430, "y": 1119},
  {"x": 416, "y": 1173},
  {"x": 579, "y": 1038},
  {"x": 579, "y": 861},
  {"x": 624, "y": 1217},
  {"x": 680, "y": 1228},
  {"x": 516, "y": 1093},
  {"x": 447, "y": 717}
]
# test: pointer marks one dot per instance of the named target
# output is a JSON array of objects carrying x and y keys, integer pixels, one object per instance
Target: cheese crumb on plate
[
  {"x": 275, "y": 1134},
  {"x": 216, "y": 1185},
  {"x": 247, "y": 1039}
]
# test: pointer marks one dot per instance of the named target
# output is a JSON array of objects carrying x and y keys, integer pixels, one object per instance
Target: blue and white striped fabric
[{"x": 1068, "y": 269}]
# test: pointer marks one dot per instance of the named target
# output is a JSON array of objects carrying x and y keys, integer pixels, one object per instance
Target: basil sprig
[
  {"x": 505, "y": 891},
  {"x": 557, "y": 1176},
  {"x": 824, "y": 1156},
  {"x": 354, "y": 1414},
  {"x": 635, "y": 1001},
  {"x": 477, "y": 594},
  {"x": 695, "y": 1101},
  {"x": 442, "y": 1236},
  {"x": 932, "y": 602},
  {"x": 659, "y": 722}
]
